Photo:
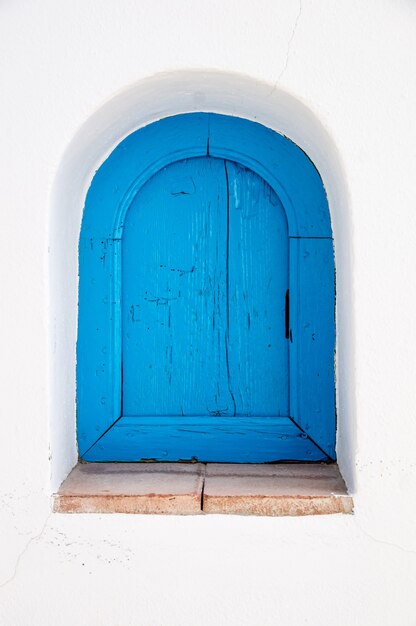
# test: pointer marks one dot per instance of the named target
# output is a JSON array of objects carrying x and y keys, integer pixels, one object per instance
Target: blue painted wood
[
  {"x": 174, "y": 293},
  {"x": 282, "y": 164},
  {"x": 258, "y": 254},
  {"x": 205, "y": 272},
  {"x": 256, "y": 440},
  {"x": 299, "y": 188},
  {"x": 112, "y": 190},
  {"x": 98, "y": 346},
  {"x": 313, "y": 339},
  {"x": 136, "y": 159}
]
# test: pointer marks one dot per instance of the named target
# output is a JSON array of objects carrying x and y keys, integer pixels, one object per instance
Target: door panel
[
  {"x": 204, "y": 278},
  {"x": 204, "y": 373}
]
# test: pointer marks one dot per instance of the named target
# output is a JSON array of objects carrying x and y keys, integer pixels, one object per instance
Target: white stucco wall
[{"x": 338, "y": 78}]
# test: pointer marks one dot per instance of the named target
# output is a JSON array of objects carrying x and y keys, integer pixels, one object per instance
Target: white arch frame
[{"x": 137, "y": 106}]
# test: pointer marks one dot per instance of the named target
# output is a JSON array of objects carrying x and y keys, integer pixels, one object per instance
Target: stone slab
[
  {"x": 189, "y": 489},
  {"x": 283, "y": 489},
  {"x": 158, "y": 488}
]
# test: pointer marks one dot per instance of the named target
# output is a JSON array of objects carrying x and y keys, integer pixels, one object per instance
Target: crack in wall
[
  {"x": 289, "y": 47},
  {"x": 382, "y": 542},
  {"x": 23, "y": 552}
]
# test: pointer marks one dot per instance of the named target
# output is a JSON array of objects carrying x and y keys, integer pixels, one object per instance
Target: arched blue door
[{"x": 208, "y": 301}]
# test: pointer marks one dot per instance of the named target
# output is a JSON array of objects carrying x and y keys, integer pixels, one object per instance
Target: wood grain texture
[
  {"x": 258, "y": 255},
  {"x": 205, "y": 273},
  {"x": 174, "y": 293},
  {"x": 112, "y": 190},
  {"x": 313, "y": 340},
  {"x": 256, "y": 439},
  {"x": 282, "y": 164}
]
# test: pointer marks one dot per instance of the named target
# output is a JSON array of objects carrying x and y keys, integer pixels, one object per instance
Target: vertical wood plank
[
  {"x": 313, "y": 339},
  {"x": 174, "y": 300},
  {"x": 98, "y": 371},
  {"x": 258, "y": 280}
]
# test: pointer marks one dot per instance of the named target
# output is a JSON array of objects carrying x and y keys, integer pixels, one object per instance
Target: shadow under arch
[{"x": 160, "y": 96}]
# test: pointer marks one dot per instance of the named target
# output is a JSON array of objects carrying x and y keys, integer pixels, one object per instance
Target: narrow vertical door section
[
  {"x": 205, "y": 352},
  {"x": 257, "y": 284},
  {"x": 174, "y": 294}
]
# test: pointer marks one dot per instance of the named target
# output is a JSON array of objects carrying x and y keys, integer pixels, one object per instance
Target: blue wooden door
[
  {"x": 205, "y": 276},
  {"x": 186, "y": 344}
]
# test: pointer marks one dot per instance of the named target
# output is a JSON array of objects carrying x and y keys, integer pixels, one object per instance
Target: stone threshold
[{"x": 198, "y": 488}]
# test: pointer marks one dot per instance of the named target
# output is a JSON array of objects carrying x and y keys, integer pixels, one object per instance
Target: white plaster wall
[{"x": 337, "y": 77}]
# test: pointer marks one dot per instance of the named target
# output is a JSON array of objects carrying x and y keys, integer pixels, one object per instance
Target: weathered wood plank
[
  {"x": 99, "y": 339},
  {"x": 258, "y": 253},
  {"x": 313, "y": 339},
  {"x": 174, "y": 293},
  {"x": 254, "y": 439}
]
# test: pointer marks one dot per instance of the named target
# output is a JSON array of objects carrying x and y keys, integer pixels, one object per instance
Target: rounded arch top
[
  {"x": 138, "y": 106},
  {"x": 274, "y": 157}
]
